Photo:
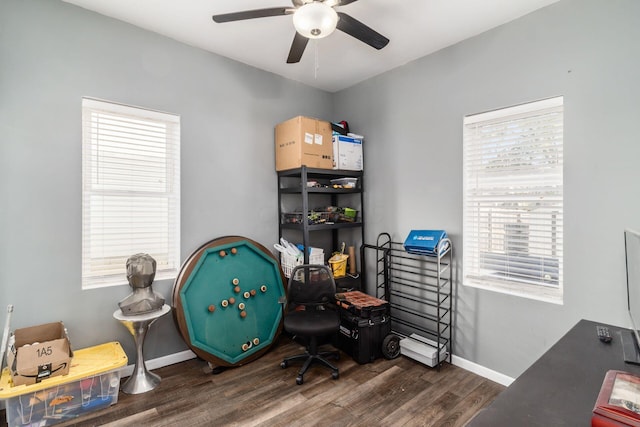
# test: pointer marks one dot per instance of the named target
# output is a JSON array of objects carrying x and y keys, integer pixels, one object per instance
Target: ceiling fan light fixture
[{"x": 315, "y": 20}]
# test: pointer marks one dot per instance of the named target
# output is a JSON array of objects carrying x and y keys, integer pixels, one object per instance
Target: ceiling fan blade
[
  {"x": 297, "y": 48},
  {"x": 344, "y": 2},
  {"x": 357, "y": 29},
  {"x": 251, "y": 14}
]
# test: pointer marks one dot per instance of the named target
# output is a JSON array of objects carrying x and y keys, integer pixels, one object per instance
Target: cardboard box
[
  {"x": 93, "y": 383},
  {"x": 39, "y": 352},
  {"x": 347, "y": 153},
  {"x": 303, "y": 141},
  {"x": 423, "y": 350}
]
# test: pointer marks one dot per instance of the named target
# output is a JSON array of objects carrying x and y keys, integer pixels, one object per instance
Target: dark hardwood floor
[{"x": 398, "y": 392}]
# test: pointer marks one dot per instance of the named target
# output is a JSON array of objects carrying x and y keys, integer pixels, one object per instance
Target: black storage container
[{"x": 362, "y": 327}]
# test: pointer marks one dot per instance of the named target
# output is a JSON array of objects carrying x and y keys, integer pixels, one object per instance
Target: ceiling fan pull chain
[{"x": 317, "y": 61}]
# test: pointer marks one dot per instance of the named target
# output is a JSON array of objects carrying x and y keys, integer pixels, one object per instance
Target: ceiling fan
[{"x": 313, "y": 19}]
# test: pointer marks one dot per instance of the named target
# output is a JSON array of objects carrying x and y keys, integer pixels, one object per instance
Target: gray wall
[
  {"x": 586, "y": 50},
  {"x": 52, "y": 54}
]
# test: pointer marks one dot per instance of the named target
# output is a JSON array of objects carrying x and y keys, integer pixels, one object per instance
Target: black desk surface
[{"x": 560, "y": 388}]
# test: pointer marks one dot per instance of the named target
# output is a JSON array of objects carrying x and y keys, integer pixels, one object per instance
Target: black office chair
[{"x": 311, "y": 314}]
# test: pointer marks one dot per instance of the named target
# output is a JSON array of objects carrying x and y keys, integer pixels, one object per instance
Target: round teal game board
[{"x": 227, "y": 301}]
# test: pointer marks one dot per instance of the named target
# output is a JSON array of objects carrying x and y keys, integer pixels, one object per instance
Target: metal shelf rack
[
  {"x": 418, "y": 288},
  {"x": 293, "y": 191}
]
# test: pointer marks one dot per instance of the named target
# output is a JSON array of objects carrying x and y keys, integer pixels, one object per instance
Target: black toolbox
[{"x": 364, "y": 323}]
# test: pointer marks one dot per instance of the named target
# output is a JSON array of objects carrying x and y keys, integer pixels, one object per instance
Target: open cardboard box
[{"x": 39, "y": 352}]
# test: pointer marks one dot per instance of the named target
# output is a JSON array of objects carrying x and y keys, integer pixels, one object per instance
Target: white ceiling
[{"x": 415, "y": 28}]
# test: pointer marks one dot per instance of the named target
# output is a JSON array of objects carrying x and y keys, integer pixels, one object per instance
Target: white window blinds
[
  {"x": 513, "y": 200},
  {"x": 130, "y": 190}
]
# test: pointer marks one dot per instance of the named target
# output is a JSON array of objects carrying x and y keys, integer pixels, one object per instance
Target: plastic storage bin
[
  {"x": 289, "y": 262},
  {"x": 93, "y": 383},
  {"x": 345, "y": 182}
]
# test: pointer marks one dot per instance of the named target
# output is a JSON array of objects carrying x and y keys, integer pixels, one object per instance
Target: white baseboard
[
  {"x": 161, "y": 362},
  {"x": 170, "y": 359},
  {"x": 482, "y": 371}
]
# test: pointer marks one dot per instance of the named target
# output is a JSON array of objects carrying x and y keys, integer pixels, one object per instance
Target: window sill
[
  {"x": 110, "y": 282},
  {"x": 538, "y": 293}
]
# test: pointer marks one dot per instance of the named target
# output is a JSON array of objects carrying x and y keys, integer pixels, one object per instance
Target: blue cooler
[{"x": 425, "y": 242}]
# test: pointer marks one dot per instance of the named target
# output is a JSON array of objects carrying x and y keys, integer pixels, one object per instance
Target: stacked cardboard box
[
  {"x": 303, "y": 141},
  {"x": 347, "y": 152}
]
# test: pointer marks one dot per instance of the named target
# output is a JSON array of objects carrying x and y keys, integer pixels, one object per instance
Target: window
[
  {"x": 130, "y": 191},
  {"x": 513, "y": 202}
]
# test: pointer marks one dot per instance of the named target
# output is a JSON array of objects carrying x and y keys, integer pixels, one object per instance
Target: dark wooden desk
[{"x": 560, "y": 388}]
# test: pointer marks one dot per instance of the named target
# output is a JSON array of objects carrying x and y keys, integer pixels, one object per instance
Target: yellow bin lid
[{"x": 86, "y": 362}]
